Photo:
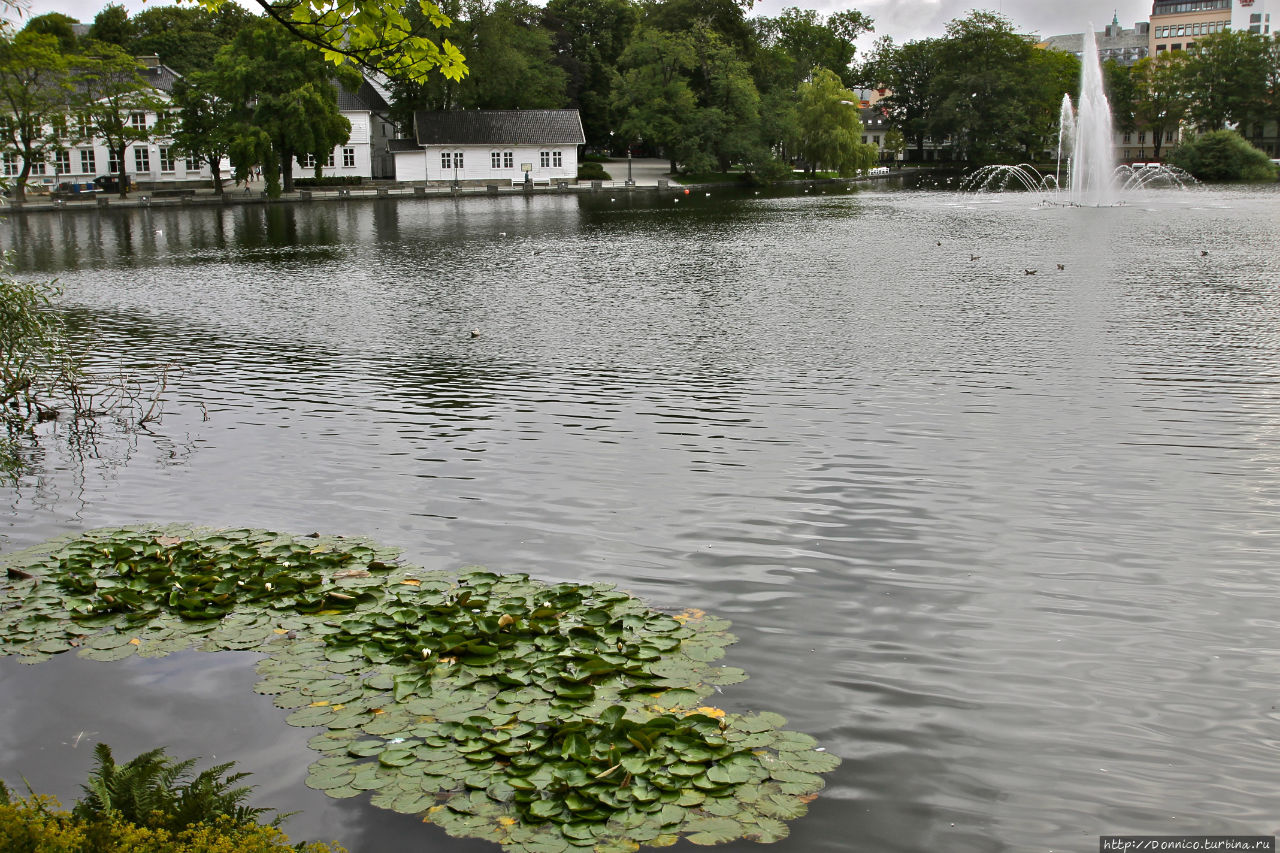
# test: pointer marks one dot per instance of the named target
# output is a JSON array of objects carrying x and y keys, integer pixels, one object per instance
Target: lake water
[{"x": 1006, "y": 543}]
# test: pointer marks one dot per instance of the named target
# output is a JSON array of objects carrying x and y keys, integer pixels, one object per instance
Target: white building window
[
  {"x": 62, "y": 162},
  {"x": 166, "y": 160},
  {"x": 544, "y": 158},
  {"x": 349, "y": 157},
  {"x": 87, "y": 161},
  {"x": 446, "y": 160},
  {"x": 113, "y": 163},
  {"x": 307, "y": 161},
  {"x": 10, "y": 164},
  {"x": 142, "y": 159},
  {"x": 557, "y": 159},
  {"x": 457, "y": 159},
  {"x": 330, "y": 162},
  {"x": 508, "y": 159},
  {"x": 495, "y": 159},
  {"x": 138, "y": 121}
]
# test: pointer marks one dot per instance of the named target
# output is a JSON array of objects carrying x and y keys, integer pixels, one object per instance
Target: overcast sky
[{"x": 902, "y": 19}]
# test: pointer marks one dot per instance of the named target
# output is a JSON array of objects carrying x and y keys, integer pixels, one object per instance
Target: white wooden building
[
  {"x": 490, "y": 146},
  {"x": 156, "y": 163}
]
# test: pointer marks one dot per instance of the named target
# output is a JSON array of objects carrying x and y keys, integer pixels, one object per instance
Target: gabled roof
[
  {"x": 499, "y": 127},
  {"x": 364, "y": 99},
  {"x": 160, "y": 77},
  {"x": 394, "y": 145}
]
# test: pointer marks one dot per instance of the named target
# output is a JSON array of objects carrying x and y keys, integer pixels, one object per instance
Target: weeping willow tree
[{"x": 829, "y": 131}]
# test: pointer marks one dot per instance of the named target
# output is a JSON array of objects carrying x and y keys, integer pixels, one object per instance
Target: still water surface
[{"x": 1006, "y": 543}]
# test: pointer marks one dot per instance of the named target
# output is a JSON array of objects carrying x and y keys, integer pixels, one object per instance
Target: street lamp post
[{"x": 630, "y": 182}]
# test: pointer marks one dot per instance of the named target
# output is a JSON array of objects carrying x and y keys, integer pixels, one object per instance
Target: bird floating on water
[
  {"x": 1062, "y": 266},
  {"x": 1030, "y": 272},
  {"x": 975, "y": 257},
  {"x": 475, "y": 333},
  {"x": 1203, "y": 253}
]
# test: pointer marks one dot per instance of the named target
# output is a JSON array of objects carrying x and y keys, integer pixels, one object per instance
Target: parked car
[
  {"x": 74, "y": 189},
  {"x": 111, "y": 183}
]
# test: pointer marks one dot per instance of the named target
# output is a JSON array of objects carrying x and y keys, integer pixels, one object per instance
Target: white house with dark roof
[
  {"x": 490, "y": 146},
  {"x": 156, "y": 163},
  {"x": 365, "y": 154}
]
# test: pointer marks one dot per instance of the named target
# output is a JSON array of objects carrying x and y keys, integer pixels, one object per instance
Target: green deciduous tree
[
  {"x": 203, "y": 123},
  {"x": 589, "y": 37},
  {"x": 1159, "y": 104},
  {"x": 830, "y": 131},
  {"x": 110, "y": 90},
  {"x": 284, "y": 93},
  {"x": 1226, "y": 79},
  {"x": 809, "y": 40},
  {"x": 912, "y": 74},
  {"x": 1122, "y": 94},
  {"x": 34, "y": 88},
  {"x": 653, "y": 94},
  {"x": 186, "y": 38},
  {"x": 112, "y": 25},
  {"x": 57, "y": 25},
  {"x": 508, "y": 43},
  {"x": 987, "y": 74}
]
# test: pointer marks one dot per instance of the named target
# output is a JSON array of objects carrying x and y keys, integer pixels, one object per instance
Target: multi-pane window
[
  {"x": 495, "y": 160},
  {"x": 457, "y": 159},
  {"x": 84, "y": 125},
  {"x": 166, "y": 160},
  {"x": 113, "y": 163},
  {"x": 38, "y": 167},
  {"x": 62, "y": 162},
  {"x": 544, "y": 158},
  {"x": 446, "y": 160},
  {"x": 308, "y": 161},
  {"x": 1142, "y": 137},
  {"x": 330, "y": 162},
  {"x": 138, "y": 121},
  {"x": 557, "y": 159},
  {"x": 59, "y": 125},
  {"x": 87, "y": 164},
  {"x": 508, "y": 159},
  {"x": 10, "y": 164},
  {"x": 142, "y": 159},
  {"x": 348, "y": 157}
]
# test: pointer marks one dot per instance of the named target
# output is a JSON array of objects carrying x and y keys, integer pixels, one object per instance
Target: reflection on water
[{"x": 1004, "y": 542}]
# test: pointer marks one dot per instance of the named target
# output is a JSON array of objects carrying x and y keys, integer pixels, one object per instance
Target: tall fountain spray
[{"x": 1092, "y": 155}]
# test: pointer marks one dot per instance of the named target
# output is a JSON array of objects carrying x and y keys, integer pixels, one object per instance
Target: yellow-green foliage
[{"x": 39, "y": 825}]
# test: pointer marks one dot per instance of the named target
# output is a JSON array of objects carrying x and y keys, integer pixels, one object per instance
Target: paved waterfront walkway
[{"x": 648, "y": 174}]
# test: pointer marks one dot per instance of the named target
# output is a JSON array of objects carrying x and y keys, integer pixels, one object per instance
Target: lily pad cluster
[{"x": 544, "y": 717}]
